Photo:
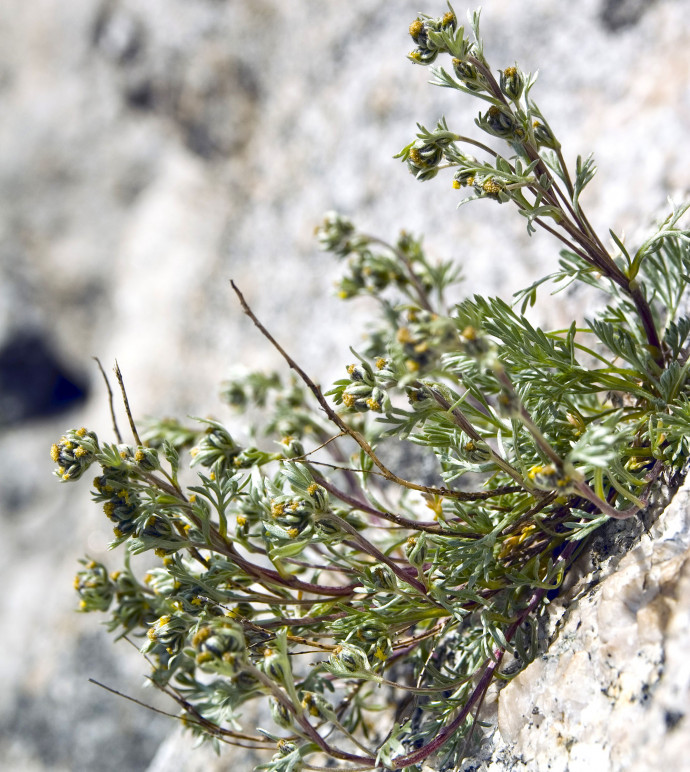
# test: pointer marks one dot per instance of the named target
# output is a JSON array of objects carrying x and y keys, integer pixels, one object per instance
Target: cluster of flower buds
[
  {"x": 120, "y": 502},
  {"x": 363, "y": 393},
  {"x": 543, "y": 136},
  {"x": 370, "y": 272},
  {"x": 373, "y": 266},
  {"x": 292, "y": 515},
  {"x": 473, "y": 342},
  {"x": 512, "y": 83},
  {"x": 288, "y": 414},
  {"x": 217, "y": 447},
  {"x": 291, "y": 447},
  {"x": 74, "y": 453},
  {"x": 370, "y": 636},
  {"x": 337, "y": 234},
  {"x": 424, "y": 32},
  {"x": 167, "y": 635},
  {"x": 95, "y": 587},
  {"x": 425, "y": 337},
  {"x": 280, "y": 714},
  {"x": 485, "y": 185},
  {"x": 500, "y": 122},
  {"x": 276, "y": 665},
  {"x": 159, "y": 532},
  {"x": 348, "y": 660},
  {"x": 416, "y": 550},
  {"x": 416, "y": 349},
  {"x": 411, "y": 248},
  {"x": 133, "y": 608},
  {"x": 380, "y": 578},
  {"x": 318, "y": 706},
  {"x": 466, "y": 72},
  {"x": 425, "y": 154},
  {"x": 220, "y": 646},
  {"x": 476, "y": 451}
]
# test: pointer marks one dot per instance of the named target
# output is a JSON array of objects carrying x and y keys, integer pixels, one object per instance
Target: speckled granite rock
[
  {"x": 612, "y": 692},
  {"x": 151, "y": 151}
]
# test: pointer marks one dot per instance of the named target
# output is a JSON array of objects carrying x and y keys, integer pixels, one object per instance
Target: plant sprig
[{"x": 309, "y": 570}]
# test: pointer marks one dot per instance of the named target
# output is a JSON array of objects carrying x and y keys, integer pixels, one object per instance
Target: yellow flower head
[{"x": 416, "y": 28}]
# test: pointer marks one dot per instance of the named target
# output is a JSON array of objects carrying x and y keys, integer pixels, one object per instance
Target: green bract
[{"x": 523, "y": 441}]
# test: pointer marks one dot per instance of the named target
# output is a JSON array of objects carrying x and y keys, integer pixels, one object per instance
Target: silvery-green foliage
[{"x": 304, "y": 570}]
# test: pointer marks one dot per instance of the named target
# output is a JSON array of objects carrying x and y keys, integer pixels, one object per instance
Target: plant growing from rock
[{"x": 311, "y": 573}]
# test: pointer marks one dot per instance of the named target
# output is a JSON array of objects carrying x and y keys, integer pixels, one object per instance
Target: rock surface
[
  {"x": 612, "y": 692},
  {"x": 150, "y": 152}
]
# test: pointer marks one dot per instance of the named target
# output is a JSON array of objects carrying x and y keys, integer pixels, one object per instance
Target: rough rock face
[
  {"x": 612, "y": 691},
  {"x": 150, "y": 152}
]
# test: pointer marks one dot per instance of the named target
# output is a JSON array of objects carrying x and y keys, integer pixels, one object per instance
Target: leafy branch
[{"x": 300, "y": 569}]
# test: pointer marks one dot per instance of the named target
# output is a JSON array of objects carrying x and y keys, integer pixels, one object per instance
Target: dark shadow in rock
[
  {"x": 34, "y": 383},
  {"x": 673, "y": 718},
  {"x": 140, "y": 96},
  {"x": 616, "y": 15}
]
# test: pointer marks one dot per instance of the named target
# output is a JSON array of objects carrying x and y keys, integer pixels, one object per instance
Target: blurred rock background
[{"x": 149, "y": 152}]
